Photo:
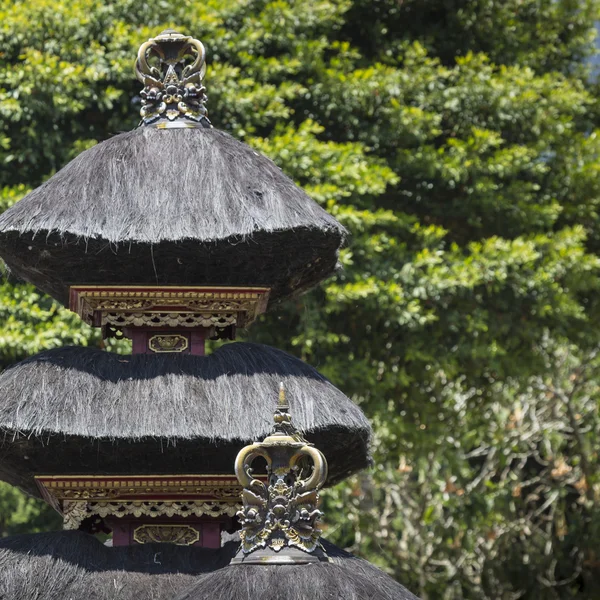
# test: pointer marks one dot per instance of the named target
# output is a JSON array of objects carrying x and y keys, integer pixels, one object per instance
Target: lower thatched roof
[
  {"x": 82, "y": 410},
  {"x": 76, "y": 566}
]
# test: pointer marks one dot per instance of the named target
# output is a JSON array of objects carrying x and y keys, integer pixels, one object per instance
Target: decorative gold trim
[
  {"x": 220, "y": 493},
  {"x": 77, "y": 497},
  {"x": 75, "y": 511},
  {"x": 224, "y": 488},
  {"x": 154, "y": 306},
  {"x": 181, "y": 535},
  {"x": 168, "y": 343},
  {"x": 154, "y": 319}
]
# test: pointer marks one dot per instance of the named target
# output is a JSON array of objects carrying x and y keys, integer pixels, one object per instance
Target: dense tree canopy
[{"x": 457, "y": 142}]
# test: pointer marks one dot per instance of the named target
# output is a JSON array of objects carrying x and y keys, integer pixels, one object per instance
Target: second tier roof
[{"x": 82, "y": 410}]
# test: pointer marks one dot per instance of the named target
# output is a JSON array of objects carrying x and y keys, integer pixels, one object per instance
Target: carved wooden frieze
[{"x": 168, "y": 307}]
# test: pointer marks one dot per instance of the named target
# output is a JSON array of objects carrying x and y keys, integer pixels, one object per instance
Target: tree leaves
[{"x": 458, "y": 144}]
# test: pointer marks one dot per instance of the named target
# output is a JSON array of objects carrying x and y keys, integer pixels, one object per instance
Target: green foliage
[
  {"x": 458, "y": 142},
  {"x": 20, "y": 514},
  {"x": 548, "y": 35},
  {"x": 31, "y": 322}
]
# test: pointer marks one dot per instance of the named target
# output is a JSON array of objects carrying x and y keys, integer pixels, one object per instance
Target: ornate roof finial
[
  {"x": 279, "y": 519},
  {"x": 283, "y": 420},
  {"x": 173, "y": 94},
  {"x": 282, "y": 402}
]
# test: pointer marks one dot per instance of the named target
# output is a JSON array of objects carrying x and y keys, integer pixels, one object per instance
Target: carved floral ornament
[
  {"x": 76, "y": 512},
  {"x": 155, "y": 306},
  {"x": 181, "y": 535},
  {"x": 279, "y": 518},
  {"x": 173, "y": 94},
  {"x": 168, "y": 343},
  {"x": 81, "y": 497}
]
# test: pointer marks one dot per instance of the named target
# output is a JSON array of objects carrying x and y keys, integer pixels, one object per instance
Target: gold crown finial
[
  {"x": 279, "y": 519},
  {"x": 171, "y": 66}
]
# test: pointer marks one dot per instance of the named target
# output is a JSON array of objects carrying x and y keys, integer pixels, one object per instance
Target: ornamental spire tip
[
  {"x": 171, "y": 66},
  {"x": 280, "y": 518}
]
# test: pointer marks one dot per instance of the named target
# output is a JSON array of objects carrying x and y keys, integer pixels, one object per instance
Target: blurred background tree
[{"x": 457, "y": 141}]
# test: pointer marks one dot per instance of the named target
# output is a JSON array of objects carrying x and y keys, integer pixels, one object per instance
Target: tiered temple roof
[{"x": 172, "y": 235}]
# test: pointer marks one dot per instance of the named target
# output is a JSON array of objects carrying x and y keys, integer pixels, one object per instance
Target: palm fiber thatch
[
  {"x": 75, "y": 565},
  {"x": 83, "y": 410},
  {"x": 170, "y": 207}
]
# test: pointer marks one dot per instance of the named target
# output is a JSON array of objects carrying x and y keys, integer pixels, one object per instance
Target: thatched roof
[
  {"x": 76, "y": 566},
  {"x": 228, "y": 395},
  {"x": 178, "y": 206},
  {"x": 83, "y": 410},
  {"x": 151, "y": 185}
]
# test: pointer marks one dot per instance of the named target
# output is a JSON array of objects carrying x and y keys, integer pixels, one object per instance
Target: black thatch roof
[
  {"x": 174, "y": 207},
  {"x": 83, "y": 410},
  {"x": 76, "y": 566}
]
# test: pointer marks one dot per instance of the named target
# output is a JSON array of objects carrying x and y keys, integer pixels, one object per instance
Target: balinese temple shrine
[{"x": 192, "y": 467}]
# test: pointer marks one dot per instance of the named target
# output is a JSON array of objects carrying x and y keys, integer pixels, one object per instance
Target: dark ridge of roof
[
  {"x": 83, "y": 410},
  {"x": 170, "y": 207},
  {"x": 75, "y": 565},
  {"x": 287, "y": 262},
  {"x": 22, "y": 456},
  {"x": 151, "y": 185}
]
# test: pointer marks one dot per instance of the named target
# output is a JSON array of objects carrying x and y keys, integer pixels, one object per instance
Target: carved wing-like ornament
[{"x": 284, "y": 513}]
